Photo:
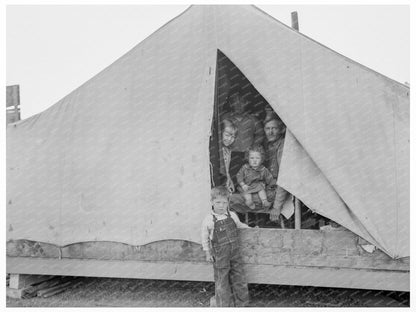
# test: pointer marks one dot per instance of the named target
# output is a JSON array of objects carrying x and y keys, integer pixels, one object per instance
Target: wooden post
[
  {"x": 282, "y": 222},
  {"x": 23, "y": 280},
  {"x": 12, "y": 103},
  {"x": 295, "y": 21},
  {"x": 298, "y": 220},
  {"x": 295, "y": 25}
]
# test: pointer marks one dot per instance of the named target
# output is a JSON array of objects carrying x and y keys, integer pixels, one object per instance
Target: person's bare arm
[
  {"x": 206, "y": 240},
  {"x": 237, "y": 221},
  {"x": 281, "y": 196}
]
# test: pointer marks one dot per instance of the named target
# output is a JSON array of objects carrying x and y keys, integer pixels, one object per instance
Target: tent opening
[{"x": 231, "y": 83}]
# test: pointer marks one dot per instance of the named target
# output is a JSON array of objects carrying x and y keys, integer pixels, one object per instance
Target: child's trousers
[{"x": 230, "y": 282}]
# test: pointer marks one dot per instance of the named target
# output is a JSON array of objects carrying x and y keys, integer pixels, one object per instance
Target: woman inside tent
[{"x": 249, "y": 131}]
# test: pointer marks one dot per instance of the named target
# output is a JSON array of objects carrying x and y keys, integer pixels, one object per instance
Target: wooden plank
[
  {"x": 12, "y": 116},
  {"x": 14, "y": 293},
  {"x": 23, "y": 280},
  {"x": 53, "y": 288},
  {"x": 28, "y": 248},
  {"x": 329, "y": 277},
  {"x": 12, "y": 96},
  {"x": 12, "y": 104},
  {"x": 298, "y": 220},
  {"x": 202, "y": 271},
  {"x": 338, "y": 249},
  {"x": 169, "y": 250},
  {"x": 170, "y": 270}
]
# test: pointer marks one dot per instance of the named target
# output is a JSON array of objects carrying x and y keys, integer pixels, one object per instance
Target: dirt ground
[{"x": 115, "y": 292}]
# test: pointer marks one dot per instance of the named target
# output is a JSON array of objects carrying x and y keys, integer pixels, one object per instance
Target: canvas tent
[{"x": 125, "y": 157}]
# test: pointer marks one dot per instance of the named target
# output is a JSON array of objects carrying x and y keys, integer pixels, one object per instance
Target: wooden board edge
[{"x": 202, "y": 271}]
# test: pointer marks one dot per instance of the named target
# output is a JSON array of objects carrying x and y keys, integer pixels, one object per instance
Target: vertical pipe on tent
[
  {"x": 295, "y": 21},
  {"x": 295, "y": 25}
]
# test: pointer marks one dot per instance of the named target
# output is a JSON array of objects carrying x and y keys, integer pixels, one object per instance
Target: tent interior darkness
[{"x": 230, "y": 80}]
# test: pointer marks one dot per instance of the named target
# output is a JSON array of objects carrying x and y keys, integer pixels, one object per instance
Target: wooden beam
[
  {"x": 298, "y": 220},
  {"x": 170, "y": 270},
  {"x": 22, "y": 280},
  {"x": 14, "y": 293},
  {"x": 337, "y": 249},
  {"x": 295, "y": 20},
  {"x": 13, "y": 96},
  {"x": 12, "y": 100},
  {"x": 202, "y": 271}
]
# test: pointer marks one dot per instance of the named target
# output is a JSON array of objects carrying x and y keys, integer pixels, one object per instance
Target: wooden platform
[{"x": 272, "y": 256}]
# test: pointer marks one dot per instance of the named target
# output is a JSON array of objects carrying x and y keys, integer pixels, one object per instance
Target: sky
[{"x": 52, "y": 50}]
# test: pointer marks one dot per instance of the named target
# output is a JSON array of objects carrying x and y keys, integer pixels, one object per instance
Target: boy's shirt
[{"x": 208, "y": 226}]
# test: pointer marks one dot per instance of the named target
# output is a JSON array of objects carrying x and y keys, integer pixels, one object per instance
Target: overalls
[{"x": 230, "y": 283}]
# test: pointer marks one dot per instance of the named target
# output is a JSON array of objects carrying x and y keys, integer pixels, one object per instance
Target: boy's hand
[
  {"x": 244, "y": 187},
  {"x": 208, "y": 256}
]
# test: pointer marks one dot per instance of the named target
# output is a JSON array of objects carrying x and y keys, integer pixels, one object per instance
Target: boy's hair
[
  {"x": 226, "y": 123},
  {"x": 219, "y": 191},
  {"x": 256, "y": 148}
]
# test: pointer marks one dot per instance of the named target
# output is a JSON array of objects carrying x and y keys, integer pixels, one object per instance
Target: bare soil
[{"x": 116, "y": 292}]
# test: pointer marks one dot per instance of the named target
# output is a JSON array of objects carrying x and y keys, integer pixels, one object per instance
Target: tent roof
[{"x": 125, "y": 156}]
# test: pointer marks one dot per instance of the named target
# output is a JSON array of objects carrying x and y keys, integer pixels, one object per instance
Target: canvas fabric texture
[{"x": 125, "y": 156}]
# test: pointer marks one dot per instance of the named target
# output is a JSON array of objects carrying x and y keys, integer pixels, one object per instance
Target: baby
[{"x": 254, "y": 177}]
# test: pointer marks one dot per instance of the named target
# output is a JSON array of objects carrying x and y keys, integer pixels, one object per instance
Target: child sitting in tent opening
[
  {"x": 221, "y": 245},
  {"x": 254, "y": 177}
]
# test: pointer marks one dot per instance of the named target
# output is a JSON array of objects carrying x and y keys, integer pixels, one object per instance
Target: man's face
[
  {"x": 273, "y": 130},
  {"x": 220, "y": 204}
]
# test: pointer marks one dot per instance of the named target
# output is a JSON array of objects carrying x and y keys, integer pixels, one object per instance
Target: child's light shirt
[{"x": 208, "y": 226}]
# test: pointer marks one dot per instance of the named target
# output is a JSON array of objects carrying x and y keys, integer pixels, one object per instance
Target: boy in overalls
[{"x": 221, "y": 244}]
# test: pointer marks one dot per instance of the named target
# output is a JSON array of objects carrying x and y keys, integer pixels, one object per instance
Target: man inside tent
[{"x": 275, "y": 130}]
